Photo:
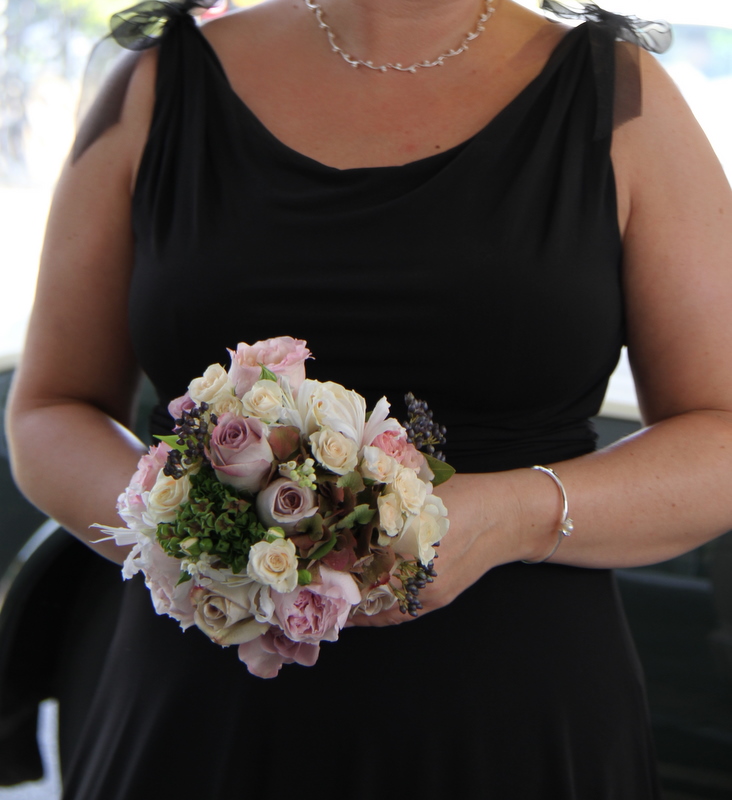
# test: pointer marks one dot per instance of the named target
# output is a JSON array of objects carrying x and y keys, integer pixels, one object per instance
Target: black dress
[{"x": 485, "y": 279}]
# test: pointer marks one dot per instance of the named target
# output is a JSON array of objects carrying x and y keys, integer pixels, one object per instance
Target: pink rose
[
  {"x": 179, "y": 405},
  {"x": 240, "y": 453},
  {"x": 283, "y": 355},
  {"x": 150, "y": 465},
  {"x": 130, "y": 504},
  {"x": 317, "y": 612},
  {"x": 265, "y": 655},
  {"x": 396, "y": 445},
  {"x": 413, "y": 459},
  {"x": 393, "y": 443},
  {"x": 285, "y": 503}
]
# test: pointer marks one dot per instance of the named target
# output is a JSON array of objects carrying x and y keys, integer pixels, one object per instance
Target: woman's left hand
[{"x": 484, "y": 512}]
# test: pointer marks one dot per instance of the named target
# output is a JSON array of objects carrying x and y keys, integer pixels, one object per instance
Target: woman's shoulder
[{"x": 248, "y": 30}]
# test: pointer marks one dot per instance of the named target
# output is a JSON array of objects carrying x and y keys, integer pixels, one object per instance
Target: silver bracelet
[{"x": 566, "y": 525}]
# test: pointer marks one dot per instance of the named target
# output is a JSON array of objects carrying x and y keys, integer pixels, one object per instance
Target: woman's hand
[{"x": 495, "y": 518}]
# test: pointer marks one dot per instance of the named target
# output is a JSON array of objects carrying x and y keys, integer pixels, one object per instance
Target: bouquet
[{"x": 279, "y": 507}]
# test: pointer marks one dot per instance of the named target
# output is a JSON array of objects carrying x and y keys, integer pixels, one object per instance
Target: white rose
[
  {"x": 227, "y": 404},
  {"x": 422, "y": 531},
  {"x": 410, "y": 490},
  {"x": 334, "y": 451},
  {"x": 164, "y": 499},
  {"x": 330, "y": 405},
  {"x": 391, "y": 519},
  {"x": 274, "y": 564},
  {"x": 225, "y": 613},
  {"x": 377, "y": 465},
  {"x": 380, "y": 598},
  {"x": 213, "y": 387},
  {"x": 264, "y": 401}
]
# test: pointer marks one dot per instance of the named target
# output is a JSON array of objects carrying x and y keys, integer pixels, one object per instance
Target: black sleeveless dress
[{"x": 485, "y": 279}]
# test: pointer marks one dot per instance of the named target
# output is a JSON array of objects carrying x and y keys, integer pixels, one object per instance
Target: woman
[{"x": 473, "y": 232}]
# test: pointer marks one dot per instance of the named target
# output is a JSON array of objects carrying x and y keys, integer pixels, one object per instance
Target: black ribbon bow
[
  {"x": 655, "y": 37},
  {"x": 142, "y": 26}
]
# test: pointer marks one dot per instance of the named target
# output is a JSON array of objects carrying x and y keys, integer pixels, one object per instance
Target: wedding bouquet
[{"x": 279, "y": 507}]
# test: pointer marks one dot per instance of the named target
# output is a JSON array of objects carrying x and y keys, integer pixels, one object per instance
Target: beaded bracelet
[{"x": 566, "y": 525}]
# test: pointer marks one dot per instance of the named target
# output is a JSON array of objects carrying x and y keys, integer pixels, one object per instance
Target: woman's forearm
[
  {"x": 72, "y": 461},
  {"x": 652, "y": 496}
]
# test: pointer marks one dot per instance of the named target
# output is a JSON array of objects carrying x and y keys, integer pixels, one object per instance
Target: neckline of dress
[{"x": 313, "y": 163}]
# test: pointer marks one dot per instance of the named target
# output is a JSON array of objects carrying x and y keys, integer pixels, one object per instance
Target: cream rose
[
  {"x": 225, "y": 614},
  {"x": 334, "y": 451},
  {"x": 213, "y": 387},
  {"x": 164, "y": 499},
  {"x": 380, "y": 598},
  {"x": 274, "y": 564},
  {"x": 378, "y": 466},
  {"x": 391, "y": 519},
  {"x": 227, "y": 404},
  {"x": 410, "y": 490},
  {"x": 422, "y": 531},
  {"x": 264, "y": 400}
]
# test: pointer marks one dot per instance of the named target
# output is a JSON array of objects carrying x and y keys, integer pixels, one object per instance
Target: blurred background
[{"x": 680, "y": 611}]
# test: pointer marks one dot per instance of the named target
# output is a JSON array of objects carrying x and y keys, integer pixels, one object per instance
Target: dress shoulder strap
[
  {"x": 108, "y": 73},
  {"x": 616, "y": 64}
]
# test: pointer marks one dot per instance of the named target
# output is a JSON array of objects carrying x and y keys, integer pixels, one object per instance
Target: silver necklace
[{"x": 438, "y": 62}]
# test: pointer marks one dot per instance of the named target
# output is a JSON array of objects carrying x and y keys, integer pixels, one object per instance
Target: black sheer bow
[
  {"x": 142, "y": 26},
  {"x": 653, "y": 36},
  {"x": 108, "y": 75}
]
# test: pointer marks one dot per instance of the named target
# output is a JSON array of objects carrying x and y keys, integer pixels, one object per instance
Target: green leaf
[
  {"x": 352, "y": 481},
  {"x": 359, "y": 516},
  {"x": 267, "y": 375},
  {"x": 364, "y": 514},
  {"x": 184, "y": 577},
  {"x": 312, "y": 526},
  {"x": 324, "y": 549},
  {"x": 172, "y": 440},
  {"x": 443, "y": 472}
]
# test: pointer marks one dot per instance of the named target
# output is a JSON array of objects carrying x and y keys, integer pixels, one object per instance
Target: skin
[{"x": 650, "y": 497}]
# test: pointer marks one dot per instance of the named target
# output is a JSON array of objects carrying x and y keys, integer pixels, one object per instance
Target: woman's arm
[
  {"x": 73, "y": 395},
  {"x": 667, "y": 488}
]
